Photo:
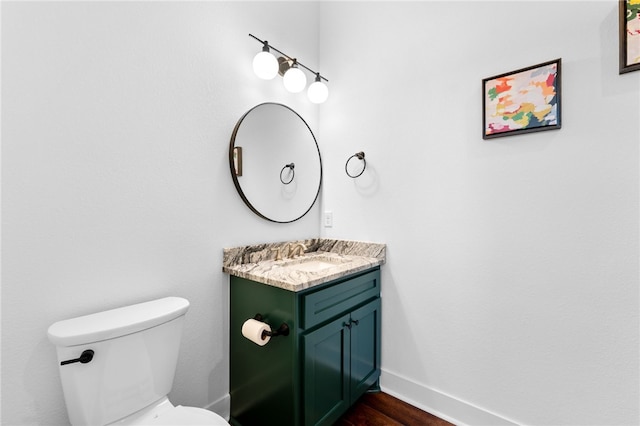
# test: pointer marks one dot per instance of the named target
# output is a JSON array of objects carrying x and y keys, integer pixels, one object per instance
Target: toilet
[{"x": 117, "y": 366}]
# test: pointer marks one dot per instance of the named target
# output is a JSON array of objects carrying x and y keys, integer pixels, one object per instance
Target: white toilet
[{"x": 117, "y": 366}]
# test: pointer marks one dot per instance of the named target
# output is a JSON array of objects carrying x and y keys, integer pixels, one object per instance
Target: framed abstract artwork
[
  {"x": 522, "y": 101},
  {"x": 629, "y": 16}
]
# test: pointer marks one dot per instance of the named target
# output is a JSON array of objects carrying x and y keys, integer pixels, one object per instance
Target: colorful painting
[
  {"x": 522, "y": 101},
  {"x": 629, "y": 35}
]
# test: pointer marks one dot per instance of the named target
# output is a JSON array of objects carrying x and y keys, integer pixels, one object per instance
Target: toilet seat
[{"x": 187, "y": 416}]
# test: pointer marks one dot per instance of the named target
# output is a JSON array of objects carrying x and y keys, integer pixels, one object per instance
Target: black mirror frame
[{"x": 236, "y": 183}]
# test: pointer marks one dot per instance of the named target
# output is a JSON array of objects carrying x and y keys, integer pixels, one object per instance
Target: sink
[{"x": 314, "y": 264}]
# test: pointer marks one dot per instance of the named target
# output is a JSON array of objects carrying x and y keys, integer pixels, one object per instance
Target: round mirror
[{"x": 275, "y": 162}]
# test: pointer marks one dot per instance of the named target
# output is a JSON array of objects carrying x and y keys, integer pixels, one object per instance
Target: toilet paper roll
[{"x": 252, "y": 330}]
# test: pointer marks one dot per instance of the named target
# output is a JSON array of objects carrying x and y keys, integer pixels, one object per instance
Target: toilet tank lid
[{"x": 116, "y": 322}]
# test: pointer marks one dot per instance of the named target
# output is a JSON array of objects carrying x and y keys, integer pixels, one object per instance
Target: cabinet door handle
[
  {"x": 347, "y": 324},
  {"x": 356, "y": 322}
]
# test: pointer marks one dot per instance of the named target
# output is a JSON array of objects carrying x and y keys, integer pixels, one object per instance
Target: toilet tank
[{"x": 135, "y": 354}]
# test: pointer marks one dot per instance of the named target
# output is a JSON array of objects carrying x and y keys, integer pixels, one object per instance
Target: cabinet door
[
  {"x": 326, "y": 372},
  {"x": 365, "y": 348}
]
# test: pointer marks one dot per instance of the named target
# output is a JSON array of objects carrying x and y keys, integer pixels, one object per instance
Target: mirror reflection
[{"x": 275, "y": 162}]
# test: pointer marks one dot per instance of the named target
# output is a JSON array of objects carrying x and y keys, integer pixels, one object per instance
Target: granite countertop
[{"x": 324, "y": 260}]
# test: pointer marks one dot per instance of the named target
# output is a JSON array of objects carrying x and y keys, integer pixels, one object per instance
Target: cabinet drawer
[{"x": 324, "y": 304}]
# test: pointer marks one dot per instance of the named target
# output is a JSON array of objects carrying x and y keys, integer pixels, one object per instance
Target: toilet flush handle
[{"x": 85, "y": 357}]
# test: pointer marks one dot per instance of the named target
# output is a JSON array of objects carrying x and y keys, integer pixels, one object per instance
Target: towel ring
[
  {"x": 293, "y": 173},
  {"x": 359, "y": 156}
]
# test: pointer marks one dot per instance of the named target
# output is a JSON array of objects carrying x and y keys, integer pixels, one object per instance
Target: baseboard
[
  {"x": 221, "y": 406},
  {"x": 438, "y": 403}
]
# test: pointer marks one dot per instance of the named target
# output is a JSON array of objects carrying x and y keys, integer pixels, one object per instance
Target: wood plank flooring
[{"x": 381, "y": 409}]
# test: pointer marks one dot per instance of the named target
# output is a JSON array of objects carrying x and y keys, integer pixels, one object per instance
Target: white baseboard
[
  {"x": 221, "y": 406},
  {"x": 438, "y": 403},
  {"x": 445, "y": 406}
]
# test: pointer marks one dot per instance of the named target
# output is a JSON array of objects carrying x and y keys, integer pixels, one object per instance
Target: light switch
[{"x": 328, "y": 219}]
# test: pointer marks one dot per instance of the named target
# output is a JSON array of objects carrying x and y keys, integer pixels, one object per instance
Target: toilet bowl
[
  {"x": 117, "y": 366},
  {"x": 165, "y": 414}
]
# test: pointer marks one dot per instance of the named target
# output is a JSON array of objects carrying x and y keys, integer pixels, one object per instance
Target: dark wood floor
[{"x": 381, "y": 409}]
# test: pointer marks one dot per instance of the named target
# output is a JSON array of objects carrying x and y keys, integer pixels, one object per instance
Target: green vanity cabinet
[
  {"x": 341, "y": 361},
  {"x": 329, "y": 359}
]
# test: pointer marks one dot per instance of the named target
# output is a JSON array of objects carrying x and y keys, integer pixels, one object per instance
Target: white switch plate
[{"x": 328, "y": 219}]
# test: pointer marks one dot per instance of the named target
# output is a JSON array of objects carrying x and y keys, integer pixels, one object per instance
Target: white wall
[
  {"x": 511, "y": 288},
  {"x": 116, "y": 120}
]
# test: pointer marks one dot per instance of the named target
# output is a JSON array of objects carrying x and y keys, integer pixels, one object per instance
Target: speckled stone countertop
[{"x": 338, "y": 257}]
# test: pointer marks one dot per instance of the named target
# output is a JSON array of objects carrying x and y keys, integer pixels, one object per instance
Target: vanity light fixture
[
  {"x": 318, "y": 91},
  {"x": 265, "y": 65},
  {"x": 294, "y": 79}
]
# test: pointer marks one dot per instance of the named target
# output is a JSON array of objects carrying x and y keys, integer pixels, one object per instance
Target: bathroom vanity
[{"x": 330, "y": 301}]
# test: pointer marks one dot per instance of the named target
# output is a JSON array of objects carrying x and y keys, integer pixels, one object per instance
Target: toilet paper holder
[{"x": 283, "y": 330}]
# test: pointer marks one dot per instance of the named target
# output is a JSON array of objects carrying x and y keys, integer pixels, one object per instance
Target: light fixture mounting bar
[{"x": 290, "y": 58}]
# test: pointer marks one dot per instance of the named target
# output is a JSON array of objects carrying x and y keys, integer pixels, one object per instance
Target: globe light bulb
[
  {"x": 265, "y": 65},
  {"x": 294, "y": 80},
  {"x": 318, "y": 92}
]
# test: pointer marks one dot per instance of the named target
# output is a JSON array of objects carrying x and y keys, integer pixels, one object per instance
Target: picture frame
[
  {"x": 629, "y": 35},
  {"x": 522, "y": 101}
]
